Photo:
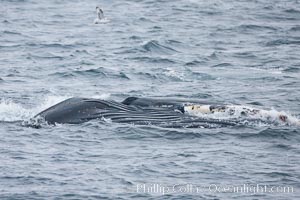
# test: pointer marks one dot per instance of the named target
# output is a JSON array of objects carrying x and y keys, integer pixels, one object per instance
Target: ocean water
[{"x": 232, "y": 52}]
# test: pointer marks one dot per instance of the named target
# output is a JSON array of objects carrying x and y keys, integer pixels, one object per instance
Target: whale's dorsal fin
[{"x": 129, "y": 100}]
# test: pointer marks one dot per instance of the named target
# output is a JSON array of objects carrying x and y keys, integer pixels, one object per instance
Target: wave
[
  {"x": 11, "y": 33},
  {"x": 93, "y": 72},
  {"x": 155, "y": 47},
  {"x": 46, "y": 56},
  {"x": 295, "y": 28},
  {"x": 156, "y": 60},
  {"x": 273, "y": 132},
  {"x": 292, "y": 69},
  {"x": 62, "y": 74},
  {"x": 222, "y": 65},
  {"x": 171, "y": 74},
  {"x": 254, "y": 27},
  {"x": 52, "y": 45},
  {"x": 283, "y": 42},
  {"x": 98, "y": 72},
  {"x": 101, "y": 72},
  {"x": 193, "y": 63},
  {"x": 152, "y": 46},
  {"x": 293, "y": 11}
]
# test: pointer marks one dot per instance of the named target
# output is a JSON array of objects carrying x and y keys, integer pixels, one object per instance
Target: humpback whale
[
  {"x": 140, "y": 111},
  {"x": 146, "y": 111}
]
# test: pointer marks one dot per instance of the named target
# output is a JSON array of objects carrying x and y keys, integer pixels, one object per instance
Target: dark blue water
[{"x": 232, "y": 52}]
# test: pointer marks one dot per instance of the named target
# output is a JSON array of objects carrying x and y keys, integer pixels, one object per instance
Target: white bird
[{"x": 100, "y": 16}]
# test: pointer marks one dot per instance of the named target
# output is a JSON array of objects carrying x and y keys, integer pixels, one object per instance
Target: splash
[
  {"x": 11, "y": 111},
  {"x": 101, "y": 21},
  {"x": 104, "y": 96}
]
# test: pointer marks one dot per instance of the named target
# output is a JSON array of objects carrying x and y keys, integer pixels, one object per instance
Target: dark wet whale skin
[{"x": 162, "y": 112}]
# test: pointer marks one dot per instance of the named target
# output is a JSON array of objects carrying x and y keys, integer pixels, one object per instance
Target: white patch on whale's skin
[
  {"x": 237, "y": 111},
  {"x": 100, "y": 16}
]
